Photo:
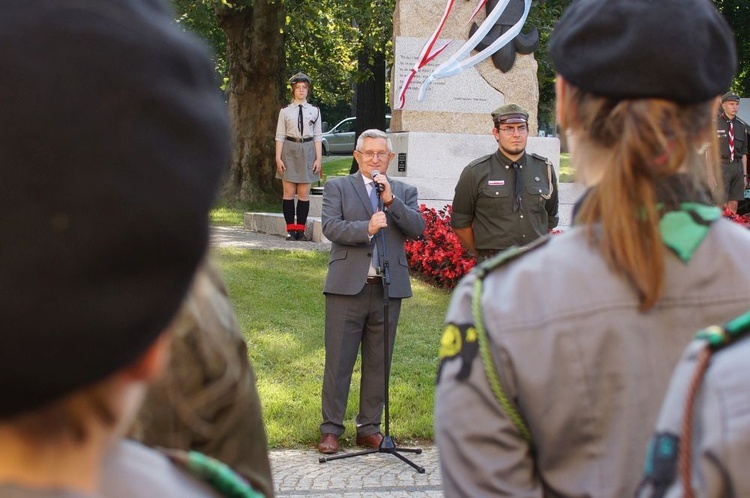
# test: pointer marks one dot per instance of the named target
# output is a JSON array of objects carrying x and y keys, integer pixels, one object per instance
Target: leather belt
[
  {"x": 374, "y": 280},
  {"x": 299, "y": 140},
  {"x": 487, "y": 253}
]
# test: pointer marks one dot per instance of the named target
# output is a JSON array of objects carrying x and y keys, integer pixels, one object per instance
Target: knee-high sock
[
  {"x": 287, "y": 206},
  {"x": 303, "y": 208}
]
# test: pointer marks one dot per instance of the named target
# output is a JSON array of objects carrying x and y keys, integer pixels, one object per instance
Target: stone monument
[{"x": 436, "y": 136}]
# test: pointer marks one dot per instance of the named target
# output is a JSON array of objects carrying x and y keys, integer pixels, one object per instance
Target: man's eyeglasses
[
  {"x": 372, "y": 155},
  {"x": 510, "y": 130}
]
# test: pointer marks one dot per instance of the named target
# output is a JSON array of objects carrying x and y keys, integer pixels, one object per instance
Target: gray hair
[{"x": 373, "y": 133}]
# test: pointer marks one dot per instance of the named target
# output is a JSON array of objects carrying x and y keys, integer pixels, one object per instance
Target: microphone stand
[{"x": 387, "y": 445}]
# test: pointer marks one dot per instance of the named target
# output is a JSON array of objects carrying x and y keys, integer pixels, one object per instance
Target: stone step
[{"x": 274, "y": 224}]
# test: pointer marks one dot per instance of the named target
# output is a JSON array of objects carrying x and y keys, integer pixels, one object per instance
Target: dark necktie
[
  {"x": 299, "y": 122},
  {"x": 374, "y": 202},
  {"x": 731, "y": 141},
  {"x": 517, "y": 184}
]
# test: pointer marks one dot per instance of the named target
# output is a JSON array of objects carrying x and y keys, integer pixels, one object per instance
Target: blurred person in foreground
[
  {"x": 701, "y": 445},
  {"x": 207, "y": 400},
  {"x": 113, "y": 140},
  {"x": 558, "y": 398}
]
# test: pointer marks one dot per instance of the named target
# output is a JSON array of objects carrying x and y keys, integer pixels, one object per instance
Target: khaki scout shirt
[
  {"x": 586, "y": 369},
  {"x": 288, "y": 123},
  {"x": 483, "y": 200}
]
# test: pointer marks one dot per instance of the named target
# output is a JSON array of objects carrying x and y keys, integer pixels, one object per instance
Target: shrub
[{"x": 438, "y": 256}]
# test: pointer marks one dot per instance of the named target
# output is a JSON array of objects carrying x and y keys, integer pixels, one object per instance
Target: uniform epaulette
[
  {"x": 479, "y": 160},
  {"x": 720, "y": 336},
  {"x": 508, "y": 255},
  {"x": 541, "y": 158}
]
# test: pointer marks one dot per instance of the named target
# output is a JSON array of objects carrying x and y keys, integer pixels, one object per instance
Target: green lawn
[{"x": 279, "y": 301}]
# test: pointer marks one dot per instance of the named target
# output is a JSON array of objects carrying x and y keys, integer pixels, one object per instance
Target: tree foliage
[{"x": 346, "y": 48}]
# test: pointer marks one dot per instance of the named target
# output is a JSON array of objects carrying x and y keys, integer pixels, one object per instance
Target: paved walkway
[{"x": 298, "y": 473}]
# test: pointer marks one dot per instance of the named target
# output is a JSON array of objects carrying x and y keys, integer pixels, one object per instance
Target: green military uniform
[{"x": 484, "y": 200}]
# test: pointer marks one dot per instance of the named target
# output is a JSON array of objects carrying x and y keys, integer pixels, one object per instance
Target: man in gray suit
[{"x": 354, "y": 287}]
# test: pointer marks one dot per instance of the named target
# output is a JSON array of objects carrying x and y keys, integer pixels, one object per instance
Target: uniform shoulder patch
[{"x": 458, "y": 342}]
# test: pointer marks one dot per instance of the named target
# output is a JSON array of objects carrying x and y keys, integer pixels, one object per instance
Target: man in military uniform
[
  {"x": 732, "y": 135},
  {"x": 507, "y": 198}
]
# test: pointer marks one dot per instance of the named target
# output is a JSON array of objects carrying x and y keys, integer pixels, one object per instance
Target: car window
[{"x": 346, "y": 126}]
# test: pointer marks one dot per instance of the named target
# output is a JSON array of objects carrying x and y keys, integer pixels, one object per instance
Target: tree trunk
[
  {"x": 255, "y": 64},
  {"x": 370, "y": 105}
]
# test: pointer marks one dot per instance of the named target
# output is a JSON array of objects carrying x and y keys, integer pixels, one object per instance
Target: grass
[{"x": 280, "y": 304}]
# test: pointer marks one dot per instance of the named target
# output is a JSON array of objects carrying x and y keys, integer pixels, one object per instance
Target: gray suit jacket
[{"x": 346, "y": 214}]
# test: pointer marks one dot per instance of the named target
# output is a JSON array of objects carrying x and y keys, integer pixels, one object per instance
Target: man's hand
[
  {"x": 387, "y": 194},
  {"x": 377, "y": 222}
]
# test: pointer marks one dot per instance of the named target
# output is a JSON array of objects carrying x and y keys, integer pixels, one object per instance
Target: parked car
[{"x": 340, "y": 138}]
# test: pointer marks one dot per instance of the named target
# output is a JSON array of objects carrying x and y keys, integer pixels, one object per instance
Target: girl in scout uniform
[
  {"x": 298, "y": 154},
  {"x": 555, "y": 357}
]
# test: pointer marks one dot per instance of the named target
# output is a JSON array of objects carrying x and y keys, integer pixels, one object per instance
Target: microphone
[{"x": 378, "y": 187}]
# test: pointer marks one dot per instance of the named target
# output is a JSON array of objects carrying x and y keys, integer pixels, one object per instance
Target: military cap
[
  {"x": 680, "y": 50},
  {"x": 113, "y": 140},
  {"x": 730, "y": 96},
  {"x": 510, "y": 113},
  {"x": 299, "y": 77}
]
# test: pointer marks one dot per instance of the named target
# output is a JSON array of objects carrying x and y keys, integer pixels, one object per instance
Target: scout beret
[
  {"x": 113, "y": 139},
  {"x": 510, "y": 113},
  {"x": 730, "y": 96},
  {"x": 680, "y": 50}
]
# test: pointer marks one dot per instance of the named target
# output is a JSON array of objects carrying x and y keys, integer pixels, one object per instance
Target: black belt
[
  {"x": 487, "y": 253},
  {"x": 374, "y": 280},
  {"x": 299, "y": 140}
]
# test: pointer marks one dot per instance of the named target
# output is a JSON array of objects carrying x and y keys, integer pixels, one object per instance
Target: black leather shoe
[
  {"x": 301, "y": 236},
  {"x": 291, "y": 235}
]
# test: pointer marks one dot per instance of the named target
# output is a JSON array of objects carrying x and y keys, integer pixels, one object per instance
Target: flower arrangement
[
  {"x": 742, "y": 219},
  {"x": 438, "y": 256}
]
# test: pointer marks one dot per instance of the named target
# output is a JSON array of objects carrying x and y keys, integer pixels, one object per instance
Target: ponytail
[{"x": 648, "y": 140}]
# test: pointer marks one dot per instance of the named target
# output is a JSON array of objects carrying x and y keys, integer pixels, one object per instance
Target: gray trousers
[{"x": 352, "y": 321}]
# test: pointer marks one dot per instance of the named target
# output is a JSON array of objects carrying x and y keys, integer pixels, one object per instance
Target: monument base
[{"x": 432, "y": 162}]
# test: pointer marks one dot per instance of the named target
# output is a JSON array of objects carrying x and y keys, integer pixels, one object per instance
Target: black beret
[
  {"x": 510, "y": 113},
  {"x": 680, "y": 50},
  {"x": 113, "y": 139}
]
